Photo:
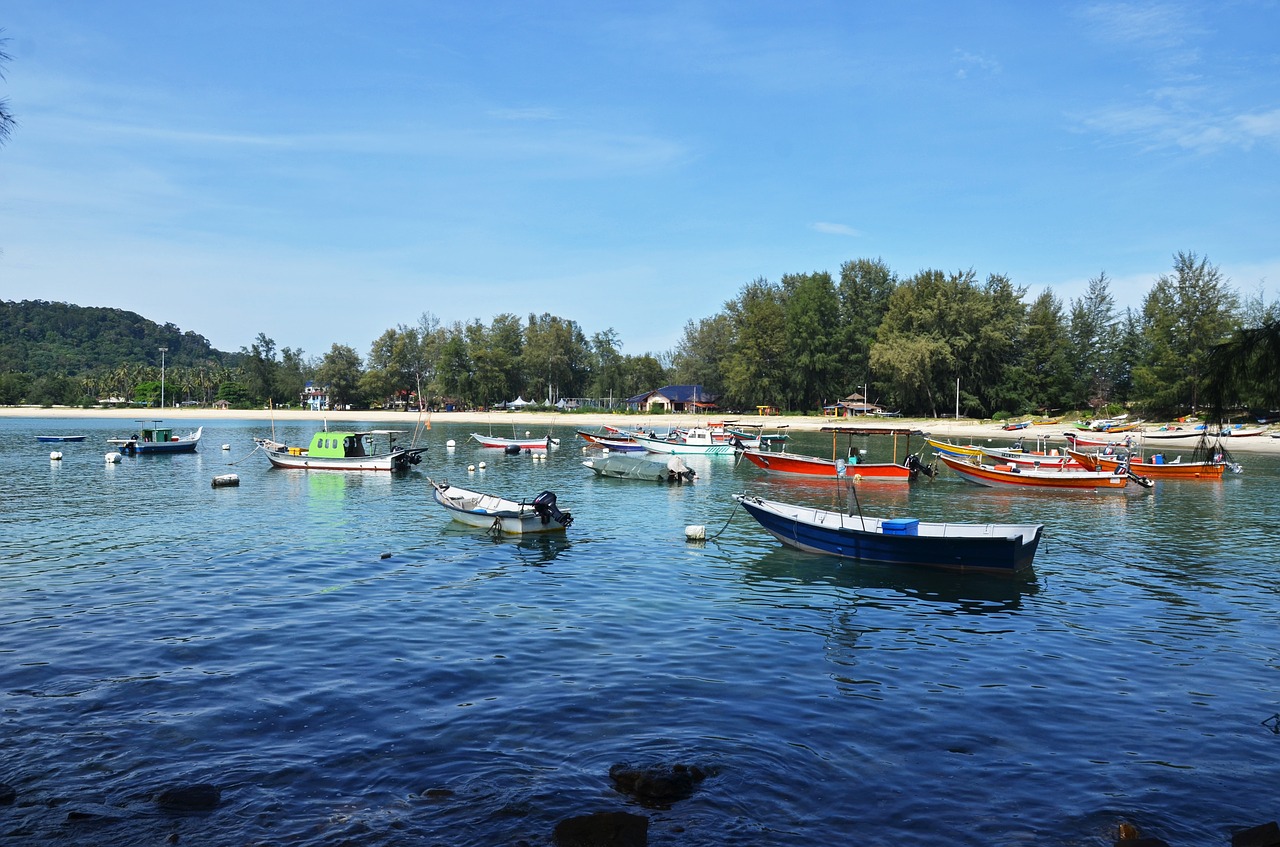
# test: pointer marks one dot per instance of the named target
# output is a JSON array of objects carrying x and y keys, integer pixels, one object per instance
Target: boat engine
[{"x": 545, "y": 505}]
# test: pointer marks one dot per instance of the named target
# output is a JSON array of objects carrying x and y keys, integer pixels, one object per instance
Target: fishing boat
[
  {"x": 1030, "y": 458},
  {"x": 696, "y": 440},
  {"x": 997, "y": 476},
  {"x": 1171, "y": 433},
  {"x": 621, "y": 466},
  {"x": 1077, "y": 441},
  {"x": 1154, "y": 467},
  {"x": 796, "y": 464},
  {"x": 963, "y": 450},
  {"x": 611, "y": 441},
  {"x": 546, "y": 442},
  {"x": 49, "y": 438},
  {"x": 501, "y": 514},
  {"x": 992, "y": 548},
  {"x": 156, "y": 439},
  {"x": 1012, "y": 425},
  {"x": 344, "y": 450}
]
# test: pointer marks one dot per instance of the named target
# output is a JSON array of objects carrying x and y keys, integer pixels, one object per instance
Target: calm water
[{"x": 350, "y": 667}]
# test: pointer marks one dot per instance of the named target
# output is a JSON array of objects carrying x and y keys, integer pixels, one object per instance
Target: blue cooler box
[{"x": 900, "y": 526}]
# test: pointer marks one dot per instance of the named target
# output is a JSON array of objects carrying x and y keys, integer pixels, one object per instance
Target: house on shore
[
  {"x": 674, "y": 398},
  {"x": 855, "y": 405}
]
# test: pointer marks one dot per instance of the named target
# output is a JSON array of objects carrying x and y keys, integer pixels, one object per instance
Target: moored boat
[
  {"x": 796, "y": 464},
  {"x": 1155, "y": 467},
  {"x": 641, "y": 467},
  {"x": 343, "y": 450},
  {"x": 157, "y": 439},
  {"x": 1011, "y": 476},
  {"x": 696, "y": 440},
  {"x": 963, "y": 450},
  {"x": 611, "y": 441},
  {"x": 546, "y": 442},
  {"x": 49, "y": 438},
  {"x": 998, "y": 548},
  {"x": 502, "y": 514}
]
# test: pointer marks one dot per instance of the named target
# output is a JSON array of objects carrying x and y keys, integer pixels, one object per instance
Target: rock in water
[{"x": 603, "y": 829}]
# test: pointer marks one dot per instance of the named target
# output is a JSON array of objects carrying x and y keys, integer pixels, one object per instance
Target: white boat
[
  {"x": 156, "y": 439},
  {"x": 500, "y": 514},
  {"x": 696, "y": 440},
  {"x": 640, "y": 467},
  {"x": 341, "y": 450},
  {"x": 516, "y": 444}
]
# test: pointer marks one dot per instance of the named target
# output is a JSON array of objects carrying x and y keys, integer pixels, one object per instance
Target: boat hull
[
  {"x": 965, "y": 450},
  {"x": 139, "y": 447},
  {"x": 1167, "y": 470},
  {"x": 795, "y": 464},
  {"x": 660, "y": 445},
  {"x": 985, "y": 548},
  {"x": 398, "y": 461},
  {"x": 1062, "y": 480},
  {"x": 543, "y": 443},
  {"x": 49, "y": 438}
]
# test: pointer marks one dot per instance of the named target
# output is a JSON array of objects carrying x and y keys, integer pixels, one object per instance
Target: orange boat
[
  {"x": 795, "y": 464},
  {"x": 998, "y": 476},
  {"x": 1156, "y": 470}
]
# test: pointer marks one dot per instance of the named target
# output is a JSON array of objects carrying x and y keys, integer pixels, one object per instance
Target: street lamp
[{"x": 163, "y": 350}]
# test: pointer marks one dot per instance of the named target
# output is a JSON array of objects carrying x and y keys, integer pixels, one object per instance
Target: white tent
[{"x": 518, "y": 403}]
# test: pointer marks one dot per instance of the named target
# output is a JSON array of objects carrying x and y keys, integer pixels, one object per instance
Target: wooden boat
[
  {"x": 1030, "y": 458},
  {"x": 1009, "y": 476},
  {"x": 1012, "y": 425},
  {"x": 48, "y": 438},
  {"x": 964, "y": 450},
  {"x": 1171, "y": 434},
  {"x": 543, "y": 443},
  {"x": 1077, "y": 441},
  {"x": 500, "y": 514},
  {"x": 641, "y": 467},
  {"x": 613, "y": 442},
  {"x": 696, "y": 440},
  {"x": 1152, "y": 468},
  {"x": 1242, "y": 432},
  {"x": 343, "y": 450},
  {"x": 996, "y": 548},
  {"x": 156, "y": 439},
  {"x": 795, "y": 464}
]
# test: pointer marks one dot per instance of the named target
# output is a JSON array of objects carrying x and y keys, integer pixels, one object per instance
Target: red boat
[{"x": 795, "y": 464}]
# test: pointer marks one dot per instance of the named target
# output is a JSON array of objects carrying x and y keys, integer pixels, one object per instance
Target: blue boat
[
  {"x": 157, "y": 439},
  {"x": 60, "y": 438},
  {"x": 984, "y": 548}
]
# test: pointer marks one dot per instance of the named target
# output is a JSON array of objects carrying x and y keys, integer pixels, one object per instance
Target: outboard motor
[{"x": 545, "y": 505}]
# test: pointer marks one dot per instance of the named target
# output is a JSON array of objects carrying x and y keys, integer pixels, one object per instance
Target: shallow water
[{"x": 348, "y": 666}]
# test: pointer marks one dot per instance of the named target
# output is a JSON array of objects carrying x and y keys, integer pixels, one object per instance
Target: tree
[
  {"x": 1045, "y": 363},
  {"x": 700, "y": 355},
  {"x": 1092, "y": 341},
  {"x": 260, "y": 367},
  {"x": 7, "y": 121},
  {"x": 812, "y": 326},
  {"x": 756, "y": 370},
  {"x": 341, "y": 372},
  {"x": 863, "y": 292},
  {"x": 1184, "y": 316}
]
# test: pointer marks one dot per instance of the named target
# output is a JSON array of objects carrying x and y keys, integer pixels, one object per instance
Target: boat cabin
[{"x": 336, "y": 444}]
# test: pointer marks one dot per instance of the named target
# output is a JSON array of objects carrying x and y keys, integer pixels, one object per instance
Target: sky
[{"x": 322, "y": 172}]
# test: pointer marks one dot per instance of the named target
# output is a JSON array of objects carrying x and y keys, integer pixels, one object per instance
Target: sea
[{"x": 326, "y": 659}]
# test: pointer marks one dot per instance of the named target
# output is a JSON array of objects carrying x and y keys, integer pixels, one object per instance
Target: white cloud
[{"x": 836, "y": 229}]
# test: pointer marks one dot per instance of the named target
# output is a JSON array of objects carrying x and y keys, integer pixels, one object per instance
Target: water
[{"x": 349, "y": 667}]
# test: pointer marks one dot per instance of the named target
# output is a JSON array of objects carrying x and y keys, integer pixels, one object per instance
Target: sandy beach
[{"x": 964, "y": 430}]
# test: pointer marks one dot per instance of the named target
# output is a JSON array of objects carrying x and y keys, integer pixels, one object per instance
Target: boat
[
  {"x": 966, "y": 450},
  {"x": 1077, "y": 441},
  {"x": 611, "y": 441},
  {"x": 696, "y": 440},
  {"x": 500, "y": 514},
  {"x": 1171, "y": 433},
  {"x": 796, "y": 464},
  {"x": 48, "y": 438},
  {"x": 1030, "y": 458},
  {"x": 641, "y": 467},
  {"x": 1012, "y": 425},
  {"x": 997, "y": 476},
  {"x": 155, "y": 439},
  {"x": 1242, "y": 432},
  {"x": 344, "y": 450},
  {"x": 515, "y": 445},
  {"x": 991, "y": 548},
  {"x": 1155, "y": 467}
]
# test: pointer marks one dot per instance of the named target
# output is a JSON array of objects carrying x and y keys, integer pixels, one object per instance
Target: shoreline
[{"x": 965, "y": 429}]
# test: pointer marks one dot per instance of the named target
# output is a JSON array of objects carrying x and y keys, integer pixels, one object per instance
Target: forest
[{"x": 932, "y": 344}]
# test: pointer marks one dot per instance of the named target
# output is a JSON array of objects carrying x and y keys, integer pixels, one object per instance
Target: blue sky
[{"x": 321, "y": 172}]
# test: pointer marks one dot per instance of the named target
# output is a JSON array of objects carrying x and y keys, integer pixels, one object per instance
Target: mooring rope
[{"x": 251, "y": 452}]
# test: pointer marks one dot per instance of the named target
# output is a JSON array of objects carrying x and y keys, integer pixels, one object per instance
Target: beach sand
[{"x": 959, "y": 431}]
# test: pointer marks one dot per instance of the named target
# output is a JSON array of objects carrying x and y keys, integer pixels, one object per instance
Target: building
[
  {"x": 674, "y": 398},
  {"x": 315, "y": 398},
  {"x": 851, "y": 406}
]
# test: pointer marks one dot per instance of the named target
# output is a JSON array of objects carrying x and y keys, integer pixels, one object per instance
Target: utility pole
[{"x": 163, "y": 350}]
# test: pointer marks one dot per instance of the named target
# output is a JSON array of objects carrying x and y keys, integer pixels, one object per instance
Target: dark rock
[
  {"x": 1142, "y": 842},
  {"x": 658, "y": 785},
  {"x": 7, "y": 794},
  {"x": 1264, "y": 835},
  {"x": 186, "y": 799},
  {"x": 603, "y": 829}
]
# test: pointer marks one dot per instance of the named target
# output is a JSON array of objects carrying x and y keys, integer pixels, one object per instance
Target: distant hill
[{"x": 41, "y": 338}]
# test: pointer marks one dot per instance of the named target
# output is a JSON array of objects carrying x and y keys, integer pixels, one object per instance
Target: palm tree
[{"x": 7, "y": 122}]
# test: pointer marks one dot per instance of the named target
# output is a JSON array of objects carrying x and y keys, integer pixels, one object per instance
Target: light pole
[{"x": 163, "y": 350}]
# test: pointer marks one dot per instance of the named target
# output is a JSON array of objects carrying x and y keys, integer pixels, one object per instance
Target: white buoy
[
  {"x": 226, "y": 446},
  {"x": 112, "y": 458},
  {"x": 526, "y": 433},
  {"x": 482, "y": 466},
  {"x": 695, "y": 532},
  {"x": 450, "y": 444},
  {"x": 226, "y": 480},
  {"x": 471, "y": 468},
  {"x": 55, "y": 456}
]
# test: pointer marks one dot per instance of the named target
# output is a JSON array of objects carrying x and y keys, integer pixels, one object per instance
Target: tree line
[{"x": 932, "y": 344}]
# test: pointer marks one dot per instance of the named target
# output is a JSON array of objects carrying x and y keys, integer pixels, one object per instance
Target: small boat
[
  {"x": 1016, "y": 425},
  {"x": 1155, "y": 467},
  {"x": 150, "y": 440},
  {"x": 1171, "y": 433},
  {"x": 546, "y": 442},
  {"x": 343, "y": 450},
  {"x": 500, "y": 514},
  {"x": 1242, "y": 432},
  {"x": 48, "y": 438},
  {"x": 1077, "y": 441},
  {"x": 641, "y": 467},
  {"x": 1030, "y": 459},
  {"x": 963, "y": 450},
  {"x": 696, "y": 440},
  {"x": 611, "y": 441},
  {"x": 992, "y": 548},
  {"x": 1011, "y": 476},
  {"x": 796, "y": 464}
]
